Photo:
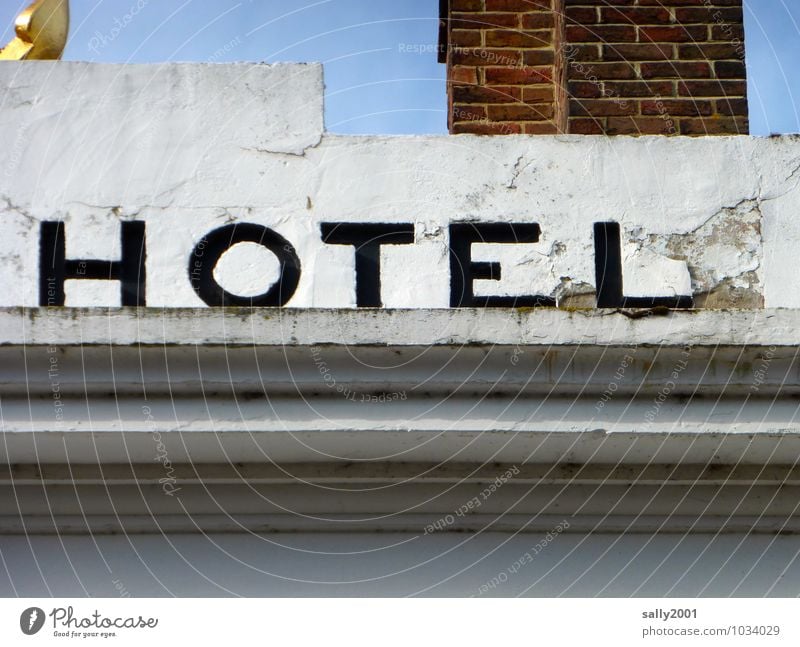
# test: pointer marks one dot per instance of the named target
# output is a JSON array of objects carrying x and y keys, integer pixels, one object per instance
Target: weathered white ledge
[
  {"x": 376, "y": 327},
  {"x": 403, "y": 386}
]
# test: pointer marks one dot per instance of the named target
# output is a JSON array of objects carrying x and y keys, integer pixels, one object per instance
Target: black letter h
[{"x": 55, "y": 269}]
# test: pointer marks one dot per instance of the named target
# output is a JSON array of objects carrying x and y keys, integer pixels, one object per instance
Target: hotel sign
[
  {"x": 217, "y": 185},
  {"x": 366, "y": 240}
]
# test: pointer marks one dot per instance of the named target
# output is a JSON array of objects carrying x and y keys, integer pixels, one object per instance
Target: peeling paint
[{"x": 723, "y": 255}]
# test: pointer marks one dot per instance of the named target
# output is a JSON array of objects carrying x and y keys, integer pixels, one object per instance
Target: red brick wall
[
  {"x": 596, "y": 66},
  {"x": 656, "y": 67},
  {"x": 502, "y": 66}
]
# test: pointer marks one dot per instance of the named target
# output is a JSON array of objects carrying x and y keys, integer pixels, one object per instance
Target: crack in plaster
[
  {"x": 517, "y": 172},
  {"x": 288, "y": 153},
  {"x": 11, "y": 206},
  {"x": 793, "y": 176}
]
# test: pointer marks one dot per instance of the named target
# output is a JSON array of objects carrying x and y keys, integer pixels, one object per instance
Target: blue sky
[{"x": 376, "y": 81}]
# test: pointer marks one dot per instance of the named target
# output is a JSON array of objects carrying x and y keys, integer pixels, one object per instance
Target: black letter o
[{"x": 210, "y": 249}]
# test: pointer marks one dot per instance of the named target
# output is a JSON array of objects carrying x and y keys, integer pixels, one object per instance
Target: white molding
[
  {"x": 233, "y": 408},
  {"x": 543, "y": 327}
]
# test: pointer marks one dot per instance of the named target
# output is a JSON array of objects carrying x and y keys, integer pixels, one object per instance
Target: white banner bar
[{"x": 390, "y": 622}]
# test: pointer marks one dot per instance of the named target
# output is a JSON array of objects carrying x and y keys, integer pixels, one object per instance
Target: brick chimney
[{"x": 615, "y": 67}]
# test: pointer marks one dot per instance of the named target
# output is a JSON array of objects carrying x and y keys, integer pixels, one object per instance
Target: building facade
[{"x": 242, "y": 356}]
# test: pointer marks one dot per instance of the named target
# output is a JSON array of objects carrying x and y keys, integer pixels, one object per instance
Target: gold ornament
[{"x": 42, "y": 31}]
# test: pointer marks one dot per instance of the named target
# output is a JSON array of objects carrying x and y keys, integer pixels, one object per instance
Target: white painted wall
[
  {"x": 395, "y": 565},
  {"x": 187, "y": 148}
]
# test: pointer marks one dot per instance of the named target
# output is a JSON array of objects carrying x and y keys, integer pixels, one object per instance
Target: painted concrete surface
[
  {"x": 415, "y": 385},
  {"x": 398, "y": 565},
  {"x": 189, "y": 148},
  {"x": 411, "y": 327}
]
